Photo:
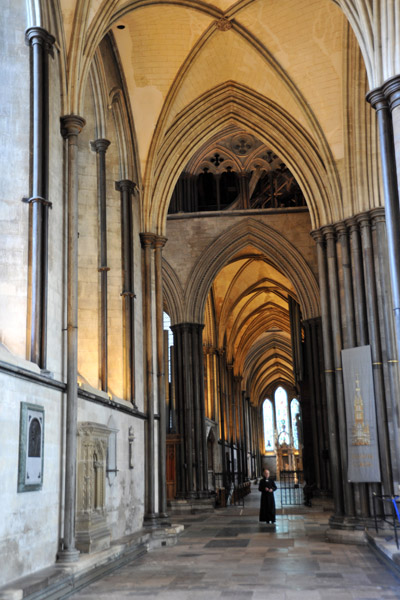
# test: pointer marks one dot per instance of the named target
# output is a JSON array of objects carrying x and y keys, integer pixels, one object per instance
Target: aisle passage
[{"x": 230, "y": 555}]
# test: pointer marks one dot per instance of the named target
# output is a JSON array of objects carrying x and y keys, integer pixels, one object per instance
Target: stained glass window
[
  {"x": 268, "y": 414},
  {"x": 296, "y": 422},
  {"x": 282, "y": 415}
]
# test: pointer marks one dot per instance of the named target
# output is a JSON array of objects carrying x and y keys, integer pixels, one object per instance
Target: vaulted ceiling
[
  {"x": 248, "y": 315},
  {"x": 282, "y": 69}
]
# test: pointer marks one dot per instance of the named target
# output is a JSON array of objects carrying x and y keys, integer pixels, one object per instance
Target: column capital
[
  {"x": 328, "y": 231},
  {"x": 377, "y": 99},
  {"x": 391, "y": 89},
  {"x": 100, "y": 145},
  {"x": 160, "y": 241},
  {"x": 125, "y": 185},
  {"x": 147, "y": 239},
  {"x": 378, "y": 215},
  {"x": 317, "y": 236},
  {"x": 363, "y": 219},
  {"x": 341, "y": 229},
  {"x": 352, "y": 224},
  {"x": 238, "y": 378},
  {"x": 71, "y": 125},
  {"x": 38, "y": 35}
]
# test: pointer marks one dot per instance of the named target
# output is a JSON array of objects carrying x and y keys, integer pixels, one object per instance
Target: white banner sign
[{"x": 362, "y": 438}]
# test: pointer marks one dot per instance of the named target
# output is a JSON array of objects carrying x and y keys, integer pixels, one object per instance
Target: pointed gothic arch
[
  {"x": 279, "y": 252},
  {"x": 173, "y": 293},
  {"x": 235, "y": 104}
]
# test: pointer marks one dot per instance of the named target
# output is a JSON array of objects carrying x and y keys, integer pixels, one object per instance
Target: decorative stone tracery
[{"x": 92, "y": 533}]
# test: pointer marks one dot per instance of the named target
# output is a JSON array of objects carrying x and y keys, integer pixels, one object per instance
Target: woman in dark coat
[{"x": 267, "y": 505}]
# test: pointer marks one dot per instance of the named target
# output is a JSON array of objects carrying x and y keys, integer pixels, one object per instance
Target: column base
[
  {"x": 163, "y": 520},
  {"x": 348, "y": 530},
  {"x": 150, "y": 521},
  {"x": 68, "y": 556}
]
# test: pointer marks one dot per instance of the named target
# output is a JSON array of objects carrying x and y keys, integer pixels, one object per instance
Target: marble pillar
[
  {"x": 41, "y": 44},
  {"x": 100, "y": 147},
  {"x": 147, "y": 241},
  {"x": 71, "y": 126},
  {"x": 126, "y": 189}
]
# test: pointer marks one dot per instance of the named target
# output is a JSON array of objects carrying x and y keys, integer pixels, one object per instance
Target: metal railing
[
  {"x": 291, "y": 487},
  {"x": 393, "y": 518}
]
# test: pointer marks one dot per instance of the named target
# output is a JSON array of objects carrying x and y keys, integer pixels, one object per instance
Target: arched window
[
  {"x": 282, "y": 415},
  {"x": 296, "y": 422},
  {"x": 268, "y": 417},
  {"x": 168, "y": 376},
  {"x": 167, "y": 327}
]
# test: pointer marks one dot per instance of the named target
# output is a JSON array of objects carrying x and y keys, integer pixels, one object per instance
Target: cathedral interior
[{"x": 199, "y": 270}]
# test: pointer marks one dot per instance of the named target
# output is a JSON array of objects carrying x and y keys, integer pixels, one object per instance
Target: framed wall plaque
[{"x": 31, "y": 447}]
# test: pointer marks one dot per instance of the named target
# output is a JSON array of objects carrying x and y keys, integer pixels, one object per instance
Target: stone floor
[{"x": 228, "y": 554}]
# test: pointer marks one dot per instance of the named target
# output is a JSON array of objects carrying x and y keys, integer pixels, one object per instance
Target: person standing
[{"x": 267, "y": 488}]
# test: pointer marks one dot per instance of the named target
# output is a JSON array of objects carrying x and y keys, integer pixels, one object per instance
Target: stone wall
[
  {"x": 197, "y": 234},
  {"x": 30, "y": 521}
]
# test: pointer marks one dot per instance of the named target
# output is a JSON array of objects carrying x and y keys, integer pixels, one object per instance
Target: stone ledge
[
  {"x": 191, "y": 506},
  {"x": 384, "y": 547},
  {"x": 62, "y": 579},
  {"x": 346, "y": 536}
]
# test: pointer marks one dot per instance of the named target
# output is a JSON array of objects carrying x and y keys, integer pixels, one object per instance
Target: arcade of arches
[{"x": 200, "y": 213}]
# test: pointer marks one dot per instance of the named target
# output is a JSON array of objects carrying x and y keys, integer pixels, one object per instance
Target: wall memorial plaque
[{"x": 31, "y": 446}]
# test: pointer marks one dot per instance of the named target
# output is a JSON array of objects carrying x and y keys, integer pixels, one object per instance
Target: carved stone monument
[{"x": 92, "y": 533}]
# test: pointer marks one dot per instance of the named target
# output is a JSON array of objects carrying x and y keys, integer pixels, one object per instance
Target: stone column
[
  {"x": 329, "y": 375},
  {"x": 231, "y": 408},
  {"x": 349, "y": 338},
  {"x": 386, "y": 312},
  {"x": 250, "y": 439},
  {"x": 147, "y": 241},
  {"x": 245, "y": 439},
  {"x": 126, "y": 189},
  {"x": 238, "y": 382},
  {"x": 41, "y": 43},
  {"x": 100, "y": 147},
  {"x": 337, "y": 348},
  {"x": 358, "y": 283},
  {"x": 202, "y": 413},
  {"x": 376, "y": 352},
  {"x": 162, "y": 424},
  {"x": 222, "y": 415},
  {"x": 191, "y": 410},
  {"x": 317, "y": 431},
  {"x": 384, "y": 100},
  {"x": 71, "y": 126}
]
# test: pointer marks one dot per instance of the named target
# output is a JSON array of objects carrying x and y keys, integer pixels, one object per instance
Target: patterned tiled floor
[{"x": 230, "y": 555}]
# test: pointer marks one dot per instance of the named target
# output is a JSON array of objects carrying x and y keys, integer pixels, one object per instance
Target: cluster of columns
[
  {"x": 356, "y": 311},
  {"x": 239, "y": 426},
  {"x": 314, "y": 408},
  {"x": 154, "y": 376},
  {"x": 192, "y": 466}
]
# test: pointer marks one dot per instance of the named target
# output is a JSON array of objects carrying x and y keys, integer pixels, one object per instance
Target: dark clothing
[{"x": 267, "y": 504}]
